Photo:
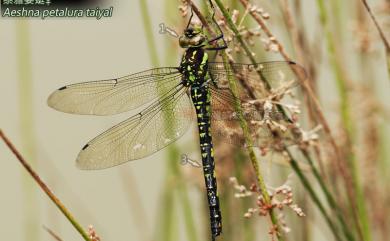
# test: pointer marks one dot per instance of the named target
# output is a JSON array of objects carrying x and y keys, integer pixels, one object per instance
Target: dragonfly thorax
[{"x": 194, "y": 66}]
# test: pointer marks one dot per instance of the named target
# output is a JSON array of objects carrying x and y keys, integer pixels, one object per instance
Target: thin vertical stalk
[
  {"x": 229, "y": 228},
  {"x": 135, "y": 203},
  {"x": 185, "y": 202},
  {"x": 259, "y": 177},
  {"x": 149, "y": 32},
  {"x": 182, "y": 190},
  {"x": 296, "y": 169},
  {"x": 232, "y": 83},
  {"x": 31, "y": 207},
  {"x": 381, "y": 33},
  {"x": 303, "y": 53},
  {"x": 306, "y": 86},
  {"x": 306, "y": 227},
  {"x": 332, "y": 203},
  {"x": 313, "y": 195},
  {"x": 52, "y": 234},
  {"x": 247, "y": 232},
  {"x": 357, "y": 199},
  {"x": 166, "y": 224},
  {"x": 310, "y": 93},
  {"x": 130, "y": 186}
]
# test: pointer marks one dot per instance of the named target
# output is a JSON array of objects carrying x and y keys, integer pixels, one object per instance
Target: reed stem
[
  {"x": 356, "y": 197},
  {"x": 386, "y": 43},
  {"x": 149, "y": 33},
  {"x": 249, "y": 146},
  {"x": 26, "y": 113},
  {"x": 44, "y": 187},
  {"x": 287, "y": 58}
]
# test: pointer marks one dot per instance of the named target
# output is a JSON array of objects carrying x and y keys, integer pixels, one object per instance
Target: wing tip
[
  {"x": 80, "y": 166},
  {"x": 50, "y": 100},
  {"x": 90, "y": 165},
  {"x": 85, "y": 162},
  {"x": 299, "y": 68},
  {"x": 83, "y": 165},
  {"x": 85, "y": 147},
  {"x": 80, "y": 161}
]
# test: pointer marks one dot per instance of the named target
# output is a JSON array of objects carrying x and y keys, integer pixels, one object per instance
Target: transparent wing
[
  {"x": 160, "y": 124},
  {"x": 107, "y": 97},
  {"x": 266, "y": 126},
  {"x": 264, "y": 78}
]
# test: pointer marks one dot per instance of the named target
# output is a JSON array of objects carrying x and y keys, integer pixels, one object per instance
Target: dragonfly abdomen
[{"x": 201, "y": 98}]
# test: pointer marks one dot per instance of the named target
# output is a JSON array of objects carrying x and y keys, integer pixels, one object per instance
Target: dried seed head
[
  {"x": 92, "y": 234},
  {"x": 235, "y": 15},
  {"x": 242, "y": 190},
  {"x": 183, "y": 8},
  {"x": 265, "y": 16}
]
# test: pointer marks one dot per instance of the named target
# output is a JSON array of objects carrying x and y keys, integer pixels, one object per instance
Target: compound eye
[{"x": 189, "y": 31}]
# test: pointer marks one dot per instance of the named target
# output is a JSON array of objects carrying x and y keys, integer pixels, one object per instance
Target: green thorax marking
[{"x": 194, "y": 66}]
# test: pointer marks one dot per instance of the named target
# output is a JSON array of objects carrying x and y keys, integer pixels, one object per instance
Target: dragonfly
[{"x": 173, "y": 97}]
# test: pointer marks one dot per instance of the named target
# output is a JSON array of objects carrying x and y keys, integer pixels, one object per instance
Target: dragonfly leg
[
  {"x": 189, "y": 20},
  {"x": 222, "y": 47},
  {"x": 220, "y": 36}
]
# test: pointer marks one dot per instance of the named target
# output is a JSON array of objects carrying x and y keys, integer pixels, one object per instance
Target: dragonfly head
[{"x": 192, "y": 37}]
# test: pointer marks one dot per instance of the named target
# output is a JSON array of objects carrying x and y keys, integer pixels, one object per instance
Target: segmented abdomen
[{"x": 201, "y": 99}]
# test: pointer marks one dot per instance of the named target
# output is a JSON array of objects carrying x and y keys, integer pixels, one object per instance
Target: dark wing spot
[
  {"x": 85, "y": 147},
  {"x": 62, "y": 88}
]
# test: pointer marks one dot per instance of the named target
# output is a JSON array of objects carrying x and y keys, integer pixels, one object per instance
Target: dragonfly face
[{"x": 192, "y": 37}]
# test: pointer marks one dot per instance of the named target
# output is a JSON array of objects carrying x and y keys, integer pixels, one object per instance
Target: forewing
[
  {"x": 107, "y": 97},
  {"x": 157, "y": 126}
]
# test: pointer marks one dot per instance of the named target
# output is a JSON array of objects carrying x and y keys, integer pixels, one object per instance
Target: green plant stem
[
  {"x": 248, "y": 227},
  {"x": 249, "y": 144},
  {"x": 381, "y": 33},
  {"x": 332, "y": 203},
  {"x": 357, "y": 200},
  {"x": 168, "y": 211},
  {"x": 300, "y": 174},
  {"x": 285, "y": 56},
  {"x": 243, "y": 124},
  {"x": 44, "y": 187},
  {"x": 149, "y": 33},
  {"x": 296, "y": 168},
  {"x": 185, "y": 201},
  {"x": 239, "y": 38},
  {"x": 313, "y": 195},
  {"x": 188, "y": 215},
  {"x": 135, "y": 204},
  {"x": 310, "y": 93},
  {"x": 26, "y": 113}
]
